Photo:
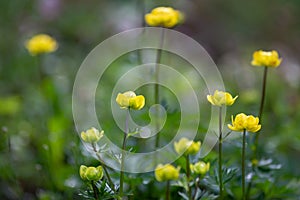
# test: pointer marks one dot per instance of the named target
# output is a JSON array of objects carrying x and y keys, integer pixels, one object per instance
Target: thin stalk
[
  {"x": 188, "y": 176},
  {"x": 243, "y": 165},
  {"x": 168, "y": 191},
  {"x": 111, "y": 184},
  {"x": 95, "y": 190},
  {"x": 261, "y": 108},
  {"x": 220, "y": 154},
  {"x": 141, "y": 6},
  {"x": 156, "y": 86},
  {"x": 40, "y": 72},
  {"x": 123, "y": 154}
]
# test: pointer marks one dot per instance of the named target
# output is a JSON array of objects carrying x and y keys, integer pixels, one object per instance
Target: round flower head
[
  {"x": 130, "y": 100},
  {"x": 166, "y": 172},
  {"x": 90, "y": 173},
  {"x": 165, "y": 17},
  {"x": 221, "y": 98},
  {"x": 40, "y": 44},
  {"x": 245, "y": 122},
  {"x": 200, "y": 167},
  {"x": 266, "y": 58},
  {"x": 186, "y": 146},
  {"x": 92, "y": 135}
]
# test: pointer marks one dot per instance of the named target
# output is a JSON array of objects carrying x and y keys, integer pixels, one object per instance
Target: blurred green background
[{"x": 40, "y": 151}]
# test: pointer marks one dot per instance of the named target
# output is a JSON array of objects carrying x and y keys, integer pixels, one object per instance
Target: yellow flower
[
  {"x": 166, "y": 172},
  {"x": 41, "y": 43},
  {"x": 130, "y": 100},
  {"x": 186, "y": 146},
  {"x": 266, "y": 58},
  {"x": 165, "y": 17},
  {"x": 200, "y": 167},
  {"x": 221, "y": 98},
  {"x": 245, "y": 122},
  {"x": 90, "y": 173},
  {"x": 91, "y": 135}
]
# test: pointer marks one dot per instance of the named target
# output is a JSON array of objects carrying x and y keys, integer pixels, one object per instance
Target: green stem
[
  {"x": 123, "y": 154},
  {"x": 188, "y": 176},
  {"x": 168, "y": 191},
  {"x": 261, "y": 108},
  {"x": 111, "y": 184},
  {"x": 40, "y": 72},
  {"x": 249, "y": 188},
  {"x": 243, "y": 165},
  {"x": 220, "y": 154},
  {"x": 156, "y": 86},
  {"x": 95, "y": 190}
]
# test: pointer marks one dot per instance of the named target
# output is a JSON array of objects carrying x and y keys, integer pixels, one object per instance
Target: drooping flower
[
  {"x": 130, "y": 100},
  {"x": 90, "y": 173},
  {"x": 186, "y": 146},
  {"x": 166, "y": 172},
  {"x": 220, "y": 98},
  {"x": 245, "y": 122},
  {"x": 92, "y": 135},
  {"x": 200, "y": 167},
  {"x": 266, "y": 59},
  {"x": 166, "y": 17},
  {"x": 40, "y": 44}
]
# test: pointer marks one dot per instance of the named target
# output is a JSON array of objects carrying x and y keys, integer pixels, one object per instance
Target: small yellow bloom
[
  {"x": 130, "y": 100},
  {"x": 254, "y": 162},
  {"x": 200, "y": 167},
  {"x": 90, "y": 173},
  {"x": 266, "y": 58},
  {"x": 221, "y": 98},
  {"x": 91, "y": 135},
  {"x": 245, "y": 122},
  {"x": 186, "y": 146},
  {"x": 166, "y": 17},
  {"x": 166, "y": 172},
  {"x": 40, "y": 44}
]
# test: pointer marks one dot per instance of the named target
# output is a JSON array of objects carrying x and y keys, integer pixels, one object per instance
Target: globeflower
[
  {"x": 166, "y": 172},
  {"x": 90, "y": 173},
  {"x": 266, "y": 58},
  {"x": 220, "y": 98},
  {"x": 200, "y": 167},
  {"x": 92, "y": 135},
  {"x": 186, "y": 146},
  {"x": 245, "y": 122},
  {"x": 166, "y": 17},
  {"x": 130, "y": 100},
  {"x": 40, "y": 44}
]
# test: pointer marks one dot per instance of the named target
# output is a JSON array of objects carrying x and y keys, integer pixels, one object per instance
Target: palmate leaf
[
  {"x": 183, "y": 195},
  {"x": 229, "y": 173},
  {"x": 104, "y": 192}
]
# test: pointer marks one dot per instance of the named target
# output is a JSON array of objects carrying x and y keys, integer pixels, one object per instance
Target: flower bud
[
  {"x": 165, "y": 17},
  {"x": 166, "y": 172},
  {"x": 92, "y": 135},
  {"x": 40, "y": 44},
  {"x": 130, "y": 100},
  {"x": 90, "y": 173},
  {"x": 200, "y": 167},
  {"x": 245, "y": 122},
  {"x": 266, "y": 58},
  {"x": 221, "y": 98},
  {"x": 187, "y": 147}
]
